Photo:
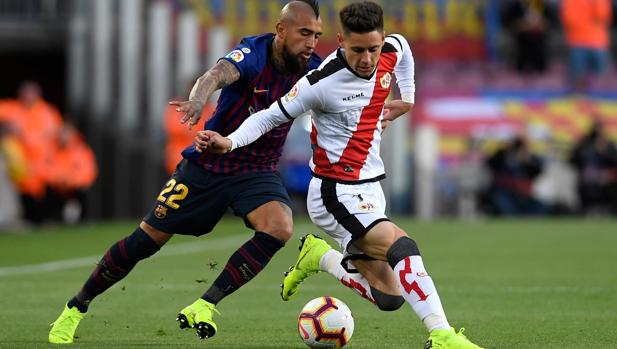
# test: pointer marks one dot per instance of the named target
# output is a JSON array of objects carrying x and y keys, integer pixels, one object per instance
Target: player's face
[
  {"x": 300, "y": 40},
  {"x": 362, "y": 50}
]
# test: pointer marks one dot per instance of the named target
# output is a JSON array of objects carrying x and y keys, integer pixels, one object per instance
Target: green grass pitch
[{"x": 512, "y": 284}]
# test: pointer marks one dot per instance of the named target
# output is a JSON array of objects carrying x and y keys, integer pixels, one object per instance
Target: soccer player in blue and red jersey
[{"x": 259, "y": 71}]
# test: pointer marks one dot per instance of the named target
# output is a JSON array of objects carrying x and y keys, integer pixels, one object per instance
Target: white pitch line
[{"x": 166, "y": 251}]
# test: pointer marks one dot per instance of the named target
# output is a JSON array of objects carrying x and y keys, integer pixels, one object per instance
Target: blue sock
[
  {"x": 118, "y": 261},
  {"x": 243, "y": 266}
]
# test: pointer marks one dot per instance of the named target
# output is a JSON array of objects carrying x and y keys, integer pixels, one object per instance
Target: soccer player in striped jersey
[
  {"x": 259, "y": 71},
  {"x": 347, "y": 95}
]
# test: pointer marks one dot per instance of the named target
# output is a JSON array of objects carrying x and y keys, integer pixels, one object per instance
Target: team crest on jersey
[
  {"x": 236, "y": 55},
  {"x": 160, "y": 212},
  {"x": 246, "y": 50},
  {"x": 293, "y": 93},
  {"x": 366, "y": 206},
  {"x": 385, "y": 80}
]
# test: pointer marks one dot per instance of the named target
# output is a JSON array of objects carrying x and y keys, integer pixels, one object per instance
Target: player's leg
[
  {"x": 332, "y": 207},
  {"x": 354, "y": 215},
  {"x": 382, "y": 285},
  {"x": 177, "y": 209},
  {"x": 263, "y": 202},
  {"x": 317, "y": 255},
  {"x": 272, "y": 223},
  {"x": 209, "y": 196},
  {"x": 387, "y": 242},
  {"x": 116, "y": 263}
]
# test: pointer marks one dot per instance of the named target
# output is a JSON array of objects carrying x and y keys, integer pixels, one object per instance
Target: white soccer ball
[{"x": 325, "y": 322}]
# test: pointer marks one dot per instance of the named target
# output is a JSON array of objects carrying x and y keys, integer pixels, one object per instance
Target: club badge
[
  {"x": 385, "y": 80},
  {"x": 160, "y": 212}
]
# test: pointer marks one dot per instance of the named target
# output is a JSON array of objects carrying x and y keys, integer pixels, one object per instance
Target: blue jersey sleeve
[{"x": 246, "y": 58}]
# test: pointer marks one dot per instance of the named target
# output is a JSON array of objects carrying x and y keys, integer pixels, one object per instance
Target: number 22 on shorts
[{"x": 180, "y": 192}]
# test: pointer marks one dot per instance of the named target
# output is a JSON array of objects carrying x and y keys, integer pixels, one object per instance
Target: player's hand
[
  {"x": 212, "y": 142},
  {"x": 394, "y": 109},
  {"x": 384, "y": 124},
  {"x": 201, "y": 141},
  {"x": 192, "y": 110}
]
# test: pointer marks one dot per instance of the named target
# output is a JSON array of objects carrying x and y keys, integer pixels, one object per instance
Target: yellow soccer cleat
[
  {"x": 449, "y": 339},
  {"x": 63, "y": 329},
  {"x": 311, "y": 249},
  {"x": 199, "y": 316}
]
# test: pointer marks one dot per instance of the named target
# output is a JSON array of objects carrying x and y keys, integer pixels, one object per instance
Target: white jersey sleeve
[
  {"x": 404, "y": 69},
  {"x": 301, "y": 98}
]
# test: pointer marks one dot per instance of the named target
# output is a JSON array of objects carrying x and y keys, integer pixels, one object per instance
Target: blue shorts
[{"x": 194, "y": 200}]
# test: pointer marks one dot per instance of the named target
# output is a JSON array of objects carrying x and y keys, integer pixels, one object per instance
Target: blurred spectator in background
[
  {"x": 178, "y": 135},
  {"x": 513, "y": 170},
  {"x": 471, "y": 179},
  {"x": 586, "y": 25},
  {"x": 595, "y": 160},
  {"x": 35, "y": 124},
  {"x": 12, "y": 168},
  {"x": 71, "y": 170},
  {"x": 529, "y": 22}
]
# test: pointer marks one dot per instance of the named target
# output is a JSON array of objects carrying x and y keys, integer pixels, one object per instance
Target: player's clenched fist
[
  {"x": 192, "y": 111},
  {"x": 212, "y": 142},
  {"x": 201, "y": 141}
]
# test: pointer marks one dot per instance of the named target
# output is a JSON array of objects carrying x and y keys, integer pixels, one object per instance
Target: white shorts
[{"x": 346, "y": 211}]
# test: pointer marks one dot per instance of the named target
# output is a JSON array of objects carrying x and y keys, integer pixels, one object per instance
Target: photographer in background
[{"x": 514, "y": 168}]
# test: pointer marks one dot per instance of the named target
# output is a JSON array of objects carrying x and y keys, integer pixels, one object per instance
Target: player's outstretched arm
[
  {"x": 220, "y": 75},
  {"x": 300, "y": 99}
]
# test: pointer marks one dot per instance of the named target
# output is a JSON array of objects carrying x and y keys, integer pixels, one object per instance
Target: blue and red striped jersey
[{"x": 260, "y": 85}]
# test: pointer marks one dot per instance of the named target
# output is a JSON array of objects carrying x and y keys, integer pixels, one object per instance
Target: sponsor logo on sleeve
[
  {"x": 293, "y": 93},
  {"x": 246, "y": 50},
  {"x": 236, "y": 55}
]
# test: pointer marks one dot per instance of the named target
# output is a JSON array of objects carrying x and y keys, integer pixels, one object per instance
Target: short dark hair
[
  {"x": 362, "y": 17},
  {"x": 314, "y": 4}
]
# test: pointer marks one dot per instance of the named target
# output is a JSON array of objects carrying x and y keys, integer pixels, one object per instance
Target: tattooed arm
[{"x": 222, "y": 74}]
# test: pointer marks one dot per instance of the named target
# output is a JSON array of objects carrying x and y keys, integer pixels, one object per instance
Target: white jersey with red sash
[{"x": 347, "y": 112}]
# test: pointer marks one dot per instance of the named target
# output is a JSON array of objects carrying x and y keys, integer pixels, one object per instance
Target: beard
[{"x": 294, "y": 64}]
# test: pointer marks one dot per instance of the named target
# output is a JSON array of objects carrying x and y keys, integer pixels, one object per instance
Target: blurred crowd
[
  {"x": 45, "y": 165},
  {"x": 536, "y": 28},
  {"x": 584, "y": 25},
  {"x": 514, "y": 169}
]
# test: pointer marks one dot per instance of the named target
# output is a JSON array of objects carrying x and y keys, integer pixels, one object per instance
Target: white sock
[
  {"x": 419, "y": 291},
  {"x": 330, "y": 262}
]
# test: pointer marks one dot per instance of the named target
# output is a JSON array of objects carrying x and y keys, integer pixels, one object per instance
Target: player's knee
[
  {"x": 280, "y": 231},
  {"x": 280, "y": 227},
  {"x": 158, "y": 236},
  {"x": 140, "y": 245},
  {"x": 386, "y": 302},
  {"x": 400, "y": 249}
]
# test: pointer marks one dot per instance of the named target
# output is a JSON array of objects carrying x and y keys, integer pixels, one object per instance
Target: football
[{"x": 325, "y": 322}]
